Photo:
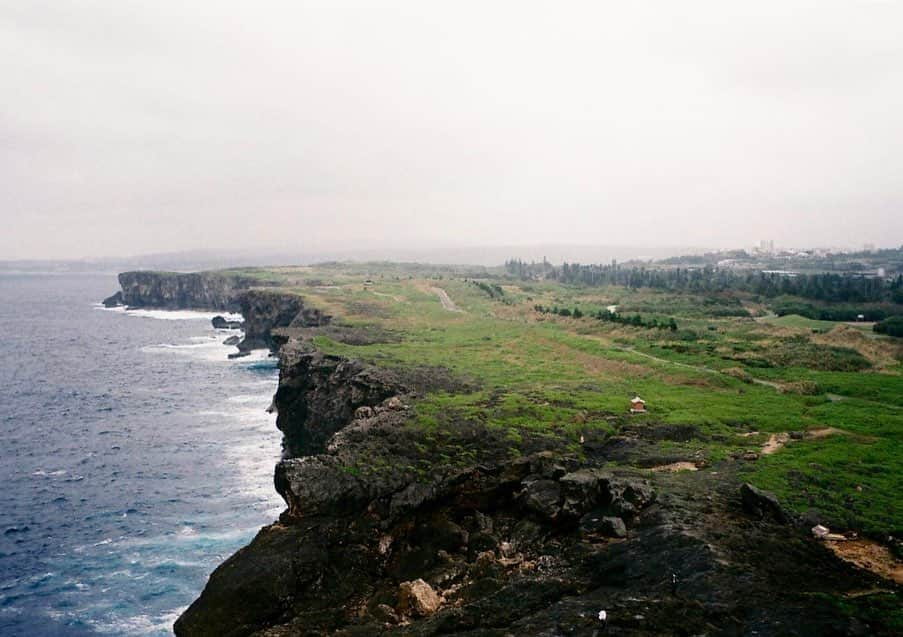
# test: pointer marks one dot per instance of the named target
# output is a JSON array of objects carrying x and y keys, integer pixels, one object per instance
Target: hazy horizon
[{"x": 143, "y": 128}]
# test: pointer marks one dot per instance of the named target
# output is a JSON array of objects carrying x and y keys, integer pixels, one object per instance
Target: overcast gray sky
[{"x": 129, "y": 127}]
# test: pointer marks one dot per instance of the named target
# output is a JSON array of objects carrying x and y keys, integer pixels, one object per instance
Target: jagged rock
[
  {"x": 596, "y": 523},
  {"x": 583, "y": 490},
  {"x": 318, "y": 485},
  {"x": 385, "y": 613},
  {"x": 543, "y": 497},
  {"x": 267, "y": 310},
  {"x": 481, "y": 541},
  {"x": 363, "y": 412},
  {"x": 629, "y": 496},
  {"x": 114, "y": 300},
  {"x": 221, "y": 323},
  {"x": 762, "y": 504},
  {"x": 319, "y": 394},
  {"x": 417, "y": 599}
]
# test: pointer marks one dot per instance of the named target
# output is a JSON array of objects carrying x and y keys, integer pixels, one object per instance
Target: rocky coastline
[{"x": 396, "y": 529}]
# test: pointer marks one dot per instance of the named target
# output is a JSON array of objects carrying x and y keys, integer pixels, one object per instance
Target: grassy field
[
  {"x": 801, "y": 322},
  {"x": 726, "y": 378}
]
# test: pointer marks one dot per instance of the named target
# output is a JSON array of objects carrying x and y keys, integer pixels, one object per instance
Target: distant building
[
  {"x": 766, "y": 245},
  {"x": 637, "y": 405}
]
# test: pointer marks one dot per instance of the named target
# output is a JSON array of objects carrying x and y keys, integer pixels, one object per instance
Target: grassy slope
[{"x": 575, "y": 377}]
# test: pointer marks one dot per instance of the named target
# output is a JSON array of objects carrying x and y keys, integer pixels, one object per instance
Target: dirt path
[
  {"x": 447, "y": 303},
  {"x": 870, "y": 556}
]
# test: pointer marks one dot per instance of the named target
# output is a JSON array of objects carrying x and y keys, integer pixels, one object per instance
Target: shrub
[{"x": 892, "y": 326}]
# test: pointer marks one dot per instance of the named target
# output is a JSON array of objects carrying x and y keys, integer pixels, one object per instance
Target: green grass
[
  {"x": 801, "y": 322},
  {"x": 538, "y": 374}
]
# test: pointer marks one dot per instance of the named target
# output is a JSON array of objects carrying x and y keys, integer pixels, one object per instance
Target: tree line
[
  {"x": 825, "y": 287},
  {"x": 612, "y": 317}
]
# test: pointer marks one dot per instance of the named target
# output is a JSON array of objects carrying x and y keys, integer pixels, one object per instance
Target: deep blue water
[{"x": 134, "y": 458}]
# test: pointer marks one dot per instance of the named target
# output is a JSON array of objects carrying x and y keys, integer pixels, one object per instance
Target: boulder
[
  {"x": 629, "y": 496},
  {"x": 543, "y": 497},
  {"x": 762, "y": 504},
  {"x": 221, "y": 323},
  {"x": 417, "y": 599},
  {"x": 595, "y": 523},
  {"x": 232, "y": 340}
]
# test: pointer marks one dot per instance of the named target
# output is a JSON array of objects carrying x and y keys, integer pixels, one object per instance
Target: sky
[{"x": 131, "y": 127}]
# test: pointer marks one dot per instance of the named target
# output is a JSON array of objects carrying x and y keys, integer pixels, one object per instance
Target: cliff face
[
  {"x": 172, "y": 290},
  {"x": 266, "y": 310},
  {"x": 319, "y": 395}
]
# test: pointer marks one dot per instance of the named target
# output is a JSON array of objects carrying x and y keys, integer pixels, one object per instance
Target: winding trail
[{"x": 446, "y": 301}]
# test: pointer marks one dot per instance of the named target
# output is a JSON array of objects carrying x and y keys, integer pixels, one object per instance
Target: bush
[{"x": 892, "y": 326}]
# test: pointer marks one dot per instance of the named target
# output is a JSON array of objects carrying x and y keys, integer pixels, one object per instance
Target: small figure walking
[
  {"x": 674, "y": 582},
  {"x": 603, "y": 618}
]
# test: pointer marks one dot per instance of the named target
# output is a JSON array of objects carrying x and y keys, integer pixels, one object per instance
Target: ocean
[{"x": 134, "y": 458}]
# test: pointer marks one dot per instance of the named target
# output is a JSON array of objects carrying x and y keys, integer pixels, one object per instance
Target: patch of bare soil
[
  {"x": 676, "y": 466},
  {"x": 880, "y": 353},
  {"x": 778, "y": 440},
  {"x": 870, "y": 556},
  {"x": 774, "y": 442}
]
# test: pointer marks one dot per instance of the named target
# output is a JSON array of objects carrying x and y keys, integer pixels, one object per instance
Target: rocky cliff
[
  {"x": 266, "y": 310},
  {"x": 172, "y": 290},
  {"x": 397, "y": 528},
  {"x": 392, "y": 528}
]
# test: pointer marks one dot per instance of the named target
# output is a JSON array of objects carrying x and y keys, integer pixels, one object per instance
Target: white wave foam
[
  {"x": 142, "y": 624},
  {"x": 171, "y": 315}
]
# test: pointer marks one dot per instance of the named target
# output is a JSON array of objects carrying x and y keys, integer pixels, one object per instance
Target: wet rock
[
  {"x": 417, "y": 599},
  {"x": 234, "y": 355},
  {"x": 232, "y": 340},
  {"x": 221, "y": 323},
  {"x": 762, "y": 504}
]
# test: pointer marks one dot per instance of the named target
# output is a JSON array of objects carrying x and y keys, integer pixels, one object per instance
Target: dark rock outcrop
[
  {"x": 762, "y": 504},
  {"x": 218, "y": 291},
  {"x": 114, "y": 300},
  {"x": 267, "y": 310},
  {"x": 221, "y": 323},
  {"x": 318, "y": 395}
]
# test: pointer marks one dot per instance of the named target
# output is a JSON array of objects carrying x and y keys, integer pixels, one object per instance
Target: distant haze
[{"x": 131, "y": 127}]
